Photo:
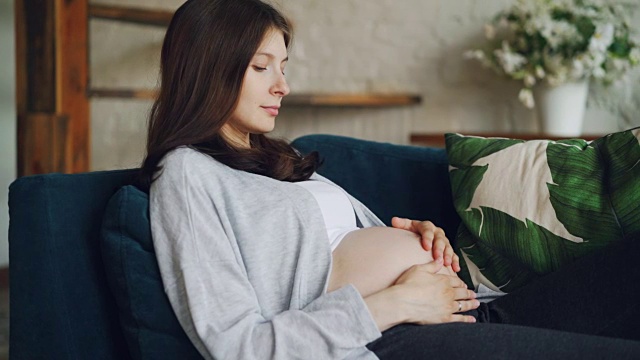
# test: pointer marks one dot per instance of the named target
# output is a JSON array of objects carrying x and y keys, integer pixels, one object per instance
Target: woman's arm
[{"x": 423, "y": 297}]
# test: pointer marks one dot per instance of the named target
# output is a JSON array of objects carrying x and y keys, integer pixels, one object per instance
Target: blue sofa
[{"x": 62, "y": 305}]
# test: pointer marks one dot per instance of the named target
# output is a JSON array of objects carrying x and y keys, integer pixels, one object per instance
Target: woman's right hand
[{"x": 422, "y": 296}]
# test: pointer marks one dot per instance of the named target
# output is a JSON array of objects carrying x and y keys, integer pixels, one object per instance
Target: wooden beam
[
  {"x": 351, "y": 100},
  {"x": 42, "y": 139},
  {"x": 39, "y": 20},
  {"x": 21, "y": 56},
  {"x": 143, "y": 94},
  {"x": 4, "y": 279},
  {"x": 52, "y": 66},
  {"x": 73, "y": 70},
  {"x": 131, "y": 15}
]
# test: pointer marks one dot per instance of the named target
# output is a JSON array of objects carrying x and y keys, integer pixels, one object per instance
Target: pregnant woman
[{"x": 263, "y": 258}]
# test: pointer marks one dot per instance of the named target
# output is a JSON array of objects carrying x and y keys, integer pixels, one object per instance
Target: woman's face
[{"x": 263, "y": 88}]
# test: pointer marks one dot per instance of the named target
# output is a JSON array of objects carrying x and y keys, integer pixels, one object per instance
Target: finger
[
  {"x": 440, "y": 245},
  {"x": 462, "y": 318},
  {"x": 448, "y": 254},
  {"x": 425, "y": 227},
  {"x": 462, "y": 294},
  {"x": 470, "y": 305},
  {"x": 421, "y": 227},
  {"x": 427, "y": 241},
  {"x": 461, "y": 306},
  {"x": 455, "y": 263},
  {"x": 456, "y": 282},
  {"x": 433, "y": 266},
  {"x": 402, "y": 223},
  {"x": 427, "y": 231}
]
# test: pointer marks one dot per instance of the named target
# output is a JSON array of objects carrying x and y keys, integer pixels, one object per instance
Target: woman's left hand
[{"x": 432, "y": 238}]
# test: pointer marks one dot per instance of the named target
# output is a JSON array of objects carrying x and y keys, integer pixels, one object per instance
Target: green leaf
[
  {"x": 620, "y": 153},
  {"x": 620, "y": 47},
  {"x": 464, "y": 240},
  {"x": 561, "y": 14},
  {"x": 586, "y": 28},
  {"x": 467, "y": 150},
  {"x": 577, "y": 194},
  {"x": 466, "y": 180},
  {"x": 511, "y": 252},
  {"x": 505, "y": 272}
]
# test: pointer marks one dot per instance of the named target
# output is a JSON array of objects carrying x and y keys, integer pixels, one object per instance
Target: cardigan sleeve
[{"x": 214, "y": 301}]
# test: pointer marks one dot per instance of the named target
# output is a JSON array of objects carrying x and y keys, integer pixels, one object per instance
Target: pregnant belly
[{"x": 372, "y": 259}]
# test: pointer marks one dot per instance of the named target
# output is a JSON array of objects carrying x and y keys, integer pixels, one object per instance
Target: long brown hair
[{"x": 206, "y": 51}]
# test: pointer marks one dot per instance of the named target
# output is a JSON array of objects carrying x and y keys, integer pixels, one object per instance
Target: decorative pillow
[
  {"x": 150, "y": 327},
  {"x": 528, "y": 207}
]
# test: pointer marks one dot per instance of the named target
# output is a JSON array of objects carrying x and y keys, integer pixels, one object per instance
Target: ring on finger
[{"x": 459, "y": 306}]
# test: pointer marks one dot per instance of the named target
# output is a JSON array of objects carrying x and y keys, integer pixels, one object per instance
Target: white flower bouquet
[{"x": 559, "y": 41}]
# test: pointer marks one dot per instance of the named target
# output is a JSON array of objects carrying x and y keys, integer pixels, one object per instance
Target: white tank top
[{"x": 337, "y": 211}]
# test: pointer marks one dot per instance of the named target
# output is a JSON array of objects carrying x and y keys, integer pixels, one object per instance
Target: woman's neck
[{"x": 235, "y": 137}]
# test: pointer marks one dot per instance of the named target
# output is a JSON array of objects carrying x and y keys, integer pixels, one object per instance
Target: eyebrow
[{"x": 271, "y": 56}]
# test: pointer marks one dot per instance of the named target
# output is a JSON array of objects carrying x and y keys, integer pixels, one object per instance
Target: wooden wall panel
[
  {"x": 44, "y": 140},
  {"x": 73, "y": 69},
  {"x": 52, "y": 66},
  {"x": 21, "y": 55},
  {"x": 41, "y": 48}
]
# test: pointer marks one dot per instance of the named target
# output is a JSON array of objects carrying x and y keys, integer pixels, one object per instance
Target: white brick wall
[{"x": 348, "y": 46}]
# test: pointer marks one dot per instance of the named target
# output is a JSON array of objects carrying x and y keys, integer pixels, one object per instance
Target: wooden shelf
[
  {"x": 351, "y": 100},
  {"x": 336, "y": 100},
  {"x": 437, "y": 139},
  {"x": 131, "y": 15},
  {"x": 142, "y": 94}
]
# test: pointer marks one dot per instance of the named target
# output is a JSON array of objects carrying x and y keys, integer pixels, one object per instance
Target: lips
[{"x": 272, "y": 110}]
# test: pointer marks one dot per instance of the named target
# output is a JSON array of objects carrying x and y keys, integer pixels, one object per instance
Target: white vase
[{"x": 561, "y": 108}]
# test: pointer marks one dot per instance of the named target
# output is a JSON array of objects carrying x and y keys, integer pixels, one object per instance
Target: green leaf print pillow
[{"x": 529, "y": 207}]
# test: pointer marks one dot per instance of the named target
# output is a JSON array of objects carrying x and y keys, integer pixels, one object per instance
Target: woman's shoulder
[
  {"x": 188, "y": 159},
  {"x": 186, "y": 162},
  {"x": 182, "y": 154}
]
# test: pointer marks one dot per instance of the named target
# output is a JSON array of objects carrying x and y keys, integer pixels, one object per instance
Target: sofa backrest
[{"x": 61, "y": 307}]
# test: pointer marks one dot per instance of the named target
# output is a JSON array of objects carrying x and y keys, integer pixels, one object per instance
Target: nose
[{"x": 280, "y": 87}]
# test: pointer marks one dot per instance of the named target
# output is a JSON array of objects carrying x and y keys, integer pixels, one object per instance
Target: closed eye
[{"x": 258, "y": 68}]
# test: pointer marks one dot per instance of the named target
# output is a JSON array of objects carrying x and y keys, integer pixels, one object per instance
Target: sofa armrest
[{"x": 61, "y": 307}]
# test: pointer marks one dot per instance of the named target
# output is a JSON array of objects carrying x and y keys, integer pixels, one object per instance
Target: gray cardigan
[{"x": 245, "y": 261}]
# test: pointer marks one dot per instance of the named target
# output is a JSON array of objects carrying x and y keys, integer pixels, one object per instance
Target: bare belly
[{"x": 372, "y": 259}]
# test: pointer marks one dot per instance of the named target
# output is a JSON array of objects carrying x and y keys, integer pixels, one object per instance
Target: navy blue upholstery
[{"x": 62, "y": 306}]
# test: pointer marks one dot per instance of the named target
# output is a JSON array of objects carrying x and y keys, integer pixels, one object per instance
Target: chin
[
  {"x": 263, "y": 130},
  {"x": 268, "y": 128}
]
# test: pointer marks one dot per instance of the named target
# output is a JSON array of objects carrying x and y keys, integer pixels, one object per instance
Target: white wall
[
  {"x": 350, "y": 46},
  {"x": 7, "y": 121}
]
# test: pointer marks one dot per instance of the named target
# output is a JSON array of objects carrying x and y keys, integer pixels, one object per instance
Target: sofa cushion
[
  {"x": 529, "y": 207},
  {"x": 150, "y": 327}
]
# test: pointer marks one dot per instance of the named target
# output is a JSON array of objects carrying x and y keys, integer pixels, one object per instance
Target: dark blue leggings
[{"x": 585, "y": 310}]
